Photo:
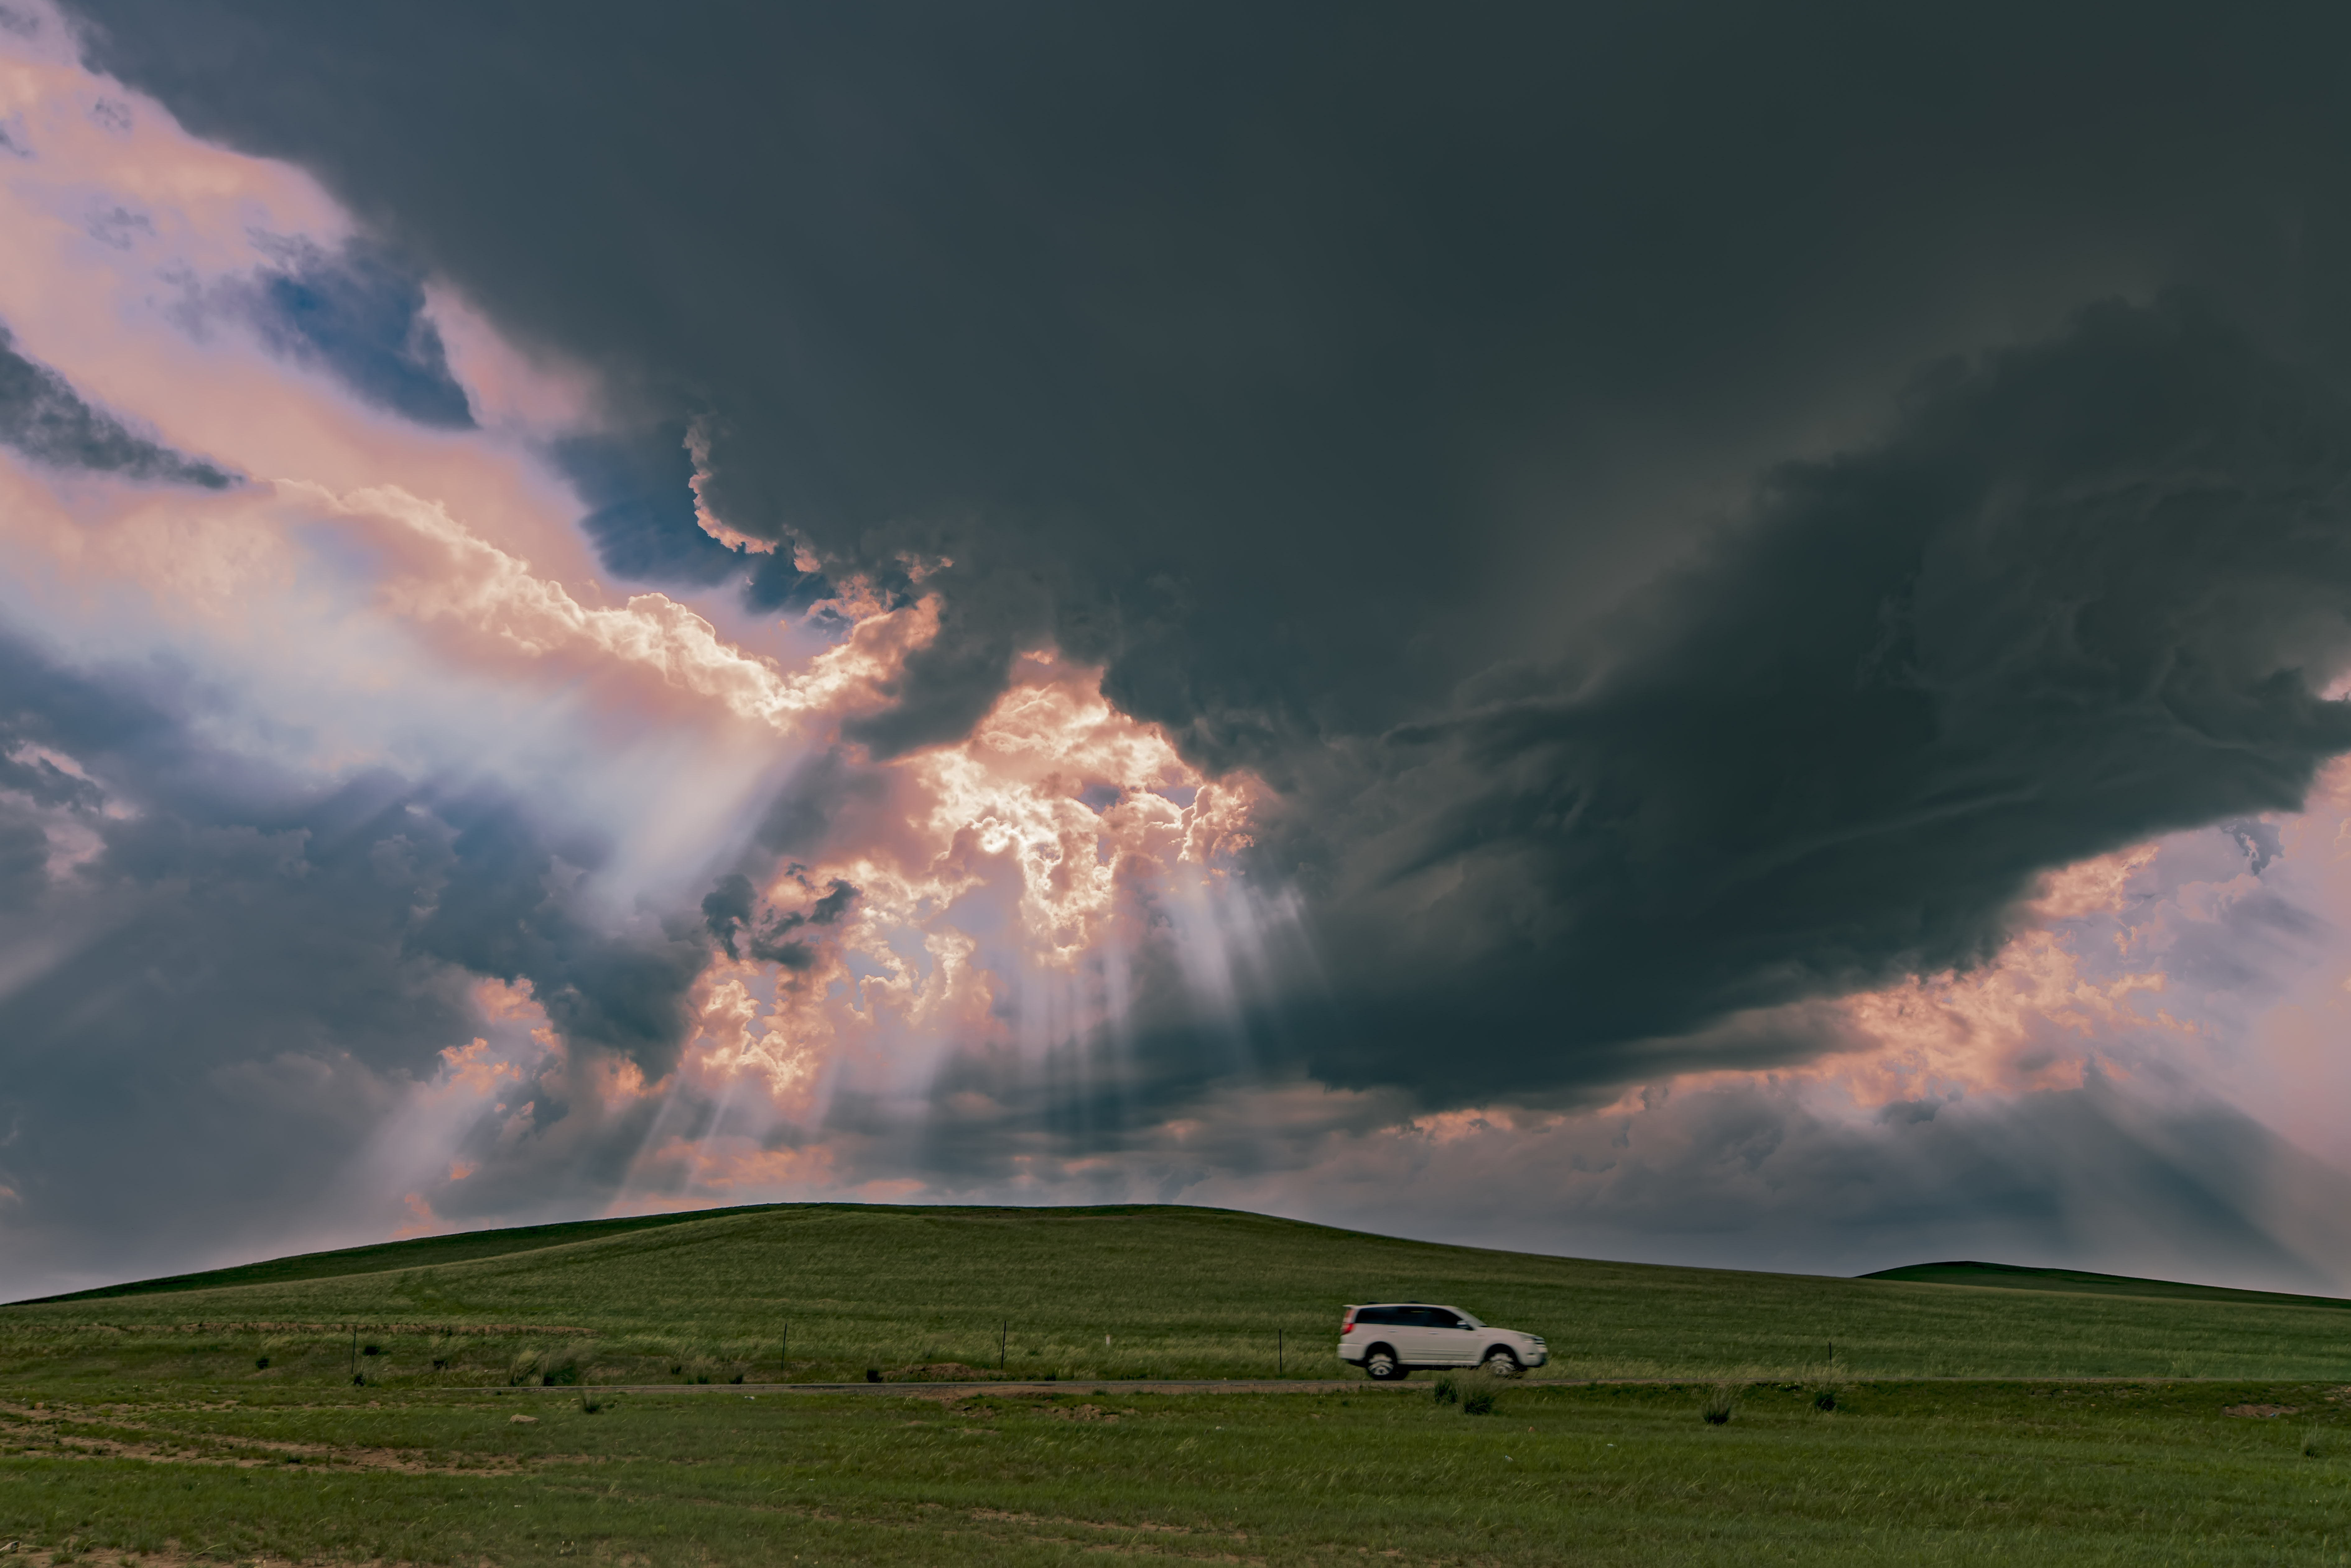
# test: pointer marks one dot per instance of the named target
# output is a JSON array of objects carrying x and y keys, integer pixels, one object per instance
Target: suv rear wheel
[
  {"x": 1382, "y": 1366},
  {"x": 1501, "y": 1363}
]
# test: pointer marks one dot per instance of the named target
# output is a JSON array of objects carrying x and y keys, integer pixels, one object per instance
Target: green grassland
[
  {"x": 1935, "y": 1473},
  {"x": 215, "y": 1417},
  {"x": 821, "y": 1292}
]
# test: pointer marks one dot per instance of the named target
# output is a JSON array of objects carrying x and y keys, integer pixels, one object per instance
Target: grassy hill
[
  {"x": 825, "y": 1290},
  {"x": 215, "y": 1416},
  {"x": 2076, "y": 1282},
  {"x": 419, "y": 1253}
]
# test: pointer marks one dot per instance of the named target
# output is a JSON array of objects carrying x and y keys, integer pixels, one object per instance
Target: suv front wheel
[
  {"x": 1382, "y": 1366},
  {"x": 1501, "y": 1363}
]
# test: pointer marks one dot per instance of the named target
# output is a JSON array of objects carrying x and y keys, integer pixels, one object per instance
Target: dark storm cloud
[
  {"x": 1243, "y": 348},
  {"x": 217, "y": 981},
  {"x": 2084, "y": 594},
  {"x": 1329, "y": 374},
  {"x": 43, "y": 417}
]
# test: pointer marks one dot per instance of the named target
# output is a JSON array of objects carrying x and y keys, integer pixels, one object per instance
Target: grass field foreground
[
  {"x": 449, "y": 1400},
  {"x": 1959, "y": 1473}
]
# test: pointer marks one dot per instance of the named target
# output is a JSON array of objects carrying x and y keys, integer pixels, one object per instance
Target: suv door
[
  {"x": 1410, "y": 1335},
  {"x": 1448, "y": 1341}
]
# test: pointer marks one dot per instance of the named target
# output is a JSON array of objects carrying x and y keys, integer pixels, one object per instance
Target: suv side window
[
  {"x": 1438, "y": 1318},
  {"x": 1384, "y": 1317}
]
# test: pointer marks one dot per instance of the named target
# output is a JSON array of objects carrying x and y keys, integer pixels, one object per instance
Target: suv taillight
[{"x": 1348, "y": 1326}]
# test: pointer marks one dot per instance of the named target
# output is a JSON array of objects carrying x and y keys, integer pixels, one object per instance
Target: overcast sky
[{"x": 1674, "y": 631}]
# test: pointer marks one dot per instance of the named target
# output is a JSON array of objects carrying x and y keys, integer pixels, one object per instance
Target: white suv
[{"x": 1389, "y": 1340}]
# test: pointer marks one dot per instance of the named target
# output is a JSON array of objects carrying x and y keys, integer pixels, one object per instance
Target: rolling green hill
[
  {"x": 218, "y": 1409},
  {"x": 423, "y": 1252},
  {"x": 826, "y": 1291},
  {"x": 2009, "y": 1276}
]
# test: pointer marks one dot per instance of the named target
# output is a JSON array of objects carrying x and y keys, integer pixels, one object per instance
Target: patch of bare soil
[
  {"x": 171, "y": 1556},
  {"x": 936, "y": 1372},
  {"x": 54, "y": 1434},
  {"x": 1000, "y": 1515},
  {"x": 2262, "y": 1411},
  {"x": 1083, "y": 1412},
  {"x": 1035, "y": 1528},
  {"x": 424, "y": 1330},
  {"x": 1033, "y": 1521}
]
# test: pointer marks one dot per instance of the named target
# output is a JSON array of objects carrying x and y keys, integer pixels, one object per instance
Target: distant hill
[
  {"x": 420, "y": 1252},
  {"x": 813, "y": 1291},
  {"x": 2074, "y": 1282}
]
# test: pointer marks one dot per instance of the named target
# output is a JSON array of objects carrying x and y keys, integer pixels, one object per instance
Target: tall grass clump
[
  {"x": 549, "y": 1369},
  {"x": 2314, "y": 1443},
  {"x": 1479, "y": 1403},
  {"x": 1446, "y": 1392},
  {"x": 1720, "y": 1403}
]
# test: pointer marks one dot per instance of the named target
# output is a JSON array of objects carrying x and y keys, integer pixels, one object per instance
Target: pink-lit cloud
[{"x": 377, "y": 593}]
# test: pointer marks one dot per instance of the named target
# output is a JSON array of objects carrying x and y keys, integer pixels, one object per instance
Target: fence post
[
  {"x": 1276, "y": 1352},
  {"x": 1003, "y": 1338}
]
